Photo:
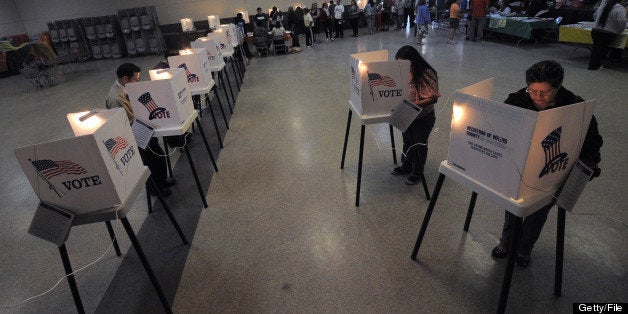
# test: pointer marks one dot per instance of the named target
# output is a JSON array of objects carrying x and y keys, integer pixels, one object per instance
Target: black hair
[
  {"x": 259, "y": 9},
  {"x": 127, "y": 69},
  {"x": 607, "y": 9},
  {"x": 422, "y": 2},
  {"x": 418, "y": 65},
  {"x": 278, "y": 24},
  {"x": 548, "y": 71}
]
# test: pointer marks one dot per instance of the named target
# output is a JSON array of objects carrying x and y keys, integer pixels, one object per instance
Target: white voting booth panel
[
  {"x": 231, "y": 33},
  {"x": 213, "y": 21},
  {"x": 516, "y": 152},
  {"x": 377, "y": 84},
  {"x": 165, "y": 101},
  {"x": 95, "y": 170},
  {"x": 220, "y": 36},
  {"x": 196, "y": 66},
  {"x": 212, "y": 48}
]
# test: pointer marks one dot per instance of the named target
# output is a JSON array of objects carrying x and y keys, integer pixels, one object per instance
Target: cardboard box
[
  {"x": 95, "y": 170},
  {"x": 514, "y": 151},
  {"x": 196, "y": 66},
  {"x": 220, "y": 35},
  {"x": 212, "y": 48},
  {"x": 377, "y": 84},
  {"x": 165, "y": 101}
]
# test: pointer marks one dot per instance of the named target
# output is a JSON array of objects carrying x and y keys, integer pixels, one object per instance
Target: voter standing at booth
[
  {"x": 545, "y": 91},
  {"x": 153, "y": 156},
  {"x": 422, "y": 92}
]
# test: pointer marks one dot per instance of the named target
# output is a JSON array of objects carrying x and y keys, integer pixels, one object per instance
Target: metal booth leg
[
  {"x": 149, "y": 201},
  {"x": 344, "y": 147},
  {"x": 198, "y": 182},
  {"x": 161, "y": 199},
  {"x": 68, "y": 272},
  {"x": 560, "y": 250},
  {"x": 467, "y": 221},
  {"x": 147, "y": 268},
  {"x": 510, "y": 264},
  {"x": 425, "y": 188},
  {"x": 428, "y": 215},
  {"x": 222, "y": 111},
  {"x": 357, "y": 192},
  {"x": 211, "y": 111},
  {"x": 392, "y": 142},
  {"x": 168, "y": 163},
  {"x": 211, "y": 156},
  {"x": 229, "y": 83},
  {"x": 224, "y": 89},
  {"x": 112, "y": 235}
]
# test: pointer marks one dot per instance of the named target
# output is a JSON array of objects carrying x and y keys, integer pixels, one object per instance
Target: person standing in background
[
  {"x": 308, "y": 22},
  {"x": 339, "y": 11},
  {"x": 422, "y": 21},
  {"x": 610, "y": 20},
  {"x": 369, "y": 13},
  {"x": 454, "y": 20},
  {"x": 354, "y": 16},
  {"x": 479, "y": 10}
]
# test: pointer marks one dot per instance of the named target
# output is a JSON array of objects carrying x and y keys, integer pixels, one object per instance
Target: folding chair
[{"x": 279, "y": 44}]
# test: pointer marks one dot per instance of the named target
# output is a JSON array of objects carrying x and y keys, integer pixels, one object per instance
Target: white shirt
[{"x": 338, "y": 11}]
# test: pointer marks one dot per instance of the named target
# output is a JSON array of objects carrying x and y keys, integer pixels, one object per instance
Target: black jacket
[{"x": 590, "y": 153}]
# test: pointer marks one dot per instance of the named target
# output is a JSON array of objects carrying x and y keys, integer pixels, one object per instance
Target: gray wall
[{"x": 31, "y": 16}]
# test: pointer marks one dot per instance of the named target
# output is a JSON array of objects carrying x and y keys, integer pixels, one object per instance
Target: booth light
[
  {"x": 85, "y": 122},
  {"x": 186, "y": 52},
  {"x": 362, "y": 67},
  {"x": 162, "y": 74},
  {"x": 213, "y": 20},
  {"x": 203, "y": 38},
  {"x": 458, "y": 113},
  {"x": 187, "y": 24}
]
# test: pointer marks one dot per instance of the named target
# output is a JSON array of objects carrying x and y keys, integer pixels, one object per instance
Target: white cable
[{"x": 185, "y": 142}]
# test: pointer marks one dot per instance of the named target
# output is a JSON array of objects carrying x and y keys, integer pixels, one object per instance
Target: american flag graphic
[
  {"x": 376, "y": 79},
  {"x": 50, "y": 168},
  {"x": 551, "y": 145},
  {"x": 147, "y": 100},
  {"x": 114, "y": 145},
  {"x": 352, "y": 73}
]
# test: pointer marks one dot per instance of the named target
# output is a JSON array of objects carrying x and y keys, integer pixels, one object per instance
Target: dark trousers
[
  {"x": 601, "y": 41},
  {"x": 308, "y": 36},
  {"x": 530, "y": 229},
  {"x": 476, "y": 29},
  {"x": 385, "y": 20},
  {"x": 415, "y": 143},
  {"x": 354, "y": 26},
  {"x": 408, "y": 12},
  {"x": 153, "y": 157},
  {"x": 340, "y": 33}
]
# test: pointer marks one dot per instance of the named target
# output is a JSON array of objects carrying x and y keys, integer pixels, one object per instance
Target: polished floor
[{"x": 282, "y": 234}]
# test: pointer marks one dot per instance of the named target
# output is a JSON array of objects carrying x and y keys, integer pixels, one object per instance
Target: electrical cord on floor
[{"x": 65, "y": 276}]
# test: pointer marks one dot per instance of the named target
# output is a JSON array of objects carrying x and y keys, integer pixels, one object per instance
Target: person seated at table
[
  {"x": 278, "y": 30},
  {"x": 506, "y": 10},
  {"x": 163, "y": 64},
  {"x": 544, "y": 91},
  {"x": 153, "y": 155},
  {"x": 260, "y": 33}
]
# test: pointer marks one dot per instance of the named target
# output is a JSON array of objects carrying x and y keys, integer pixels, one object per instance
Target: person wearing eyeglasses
[{"x": 545, "y": 91}]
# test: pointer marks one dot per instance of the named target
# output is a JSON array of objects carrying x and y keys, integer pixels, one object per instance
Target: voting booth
[
  {"x": 213, "y": 21},
  {"x": 196, "y": 66},
  {"x": 231, "y": 33},
  {"x": 165, "y": 101},
  {"x": 377, "y": 84},
  {"x": 224, "y": 43},
  {"x": 212, "y": 48},
  {"x": 514, "y": 151},
  {"x": 95, "y": 170}
]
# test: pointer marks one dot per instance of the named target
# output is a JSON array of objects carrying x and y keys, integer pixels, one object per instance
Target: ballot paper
[
  {"x": 405, "y": 113},
  {"x": 574, "y": 185},
  {"x": 143, "y": 133}
]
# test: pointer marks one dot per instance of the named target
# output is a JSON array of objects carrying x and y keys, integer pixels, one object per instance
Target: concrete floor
[{"x": 282, "y": 234}]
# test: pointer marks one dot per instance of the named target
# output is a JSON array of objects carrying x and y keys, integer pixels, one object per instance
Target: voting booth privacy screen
[
  {"x": 220, "y": 36},
  {"x": 196, "y": 66},
  {"x": 231, "y": 34},
  {"x": 95, "y": 170},
  {"x": 378, "y": 85},
  {"x": 514, "y": 151},
  {"x": 165, "y": 101},
  {"x": 212, "y": 48}
]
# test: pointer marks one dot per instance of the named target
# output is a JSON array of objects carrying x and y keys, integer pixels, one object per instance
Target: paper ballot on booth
[
  {"x": 377, "y": 84},
  {"x": 95, "y": 170},
  {"x": 212, "y": 48},
  {"x": 165, "y": 102},
  {"x": 515, "y": 151}
]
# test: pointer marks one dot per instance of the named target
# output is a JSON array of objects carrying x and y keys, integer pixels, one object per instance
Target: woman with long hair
[{"x": 423, "y": 93}]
